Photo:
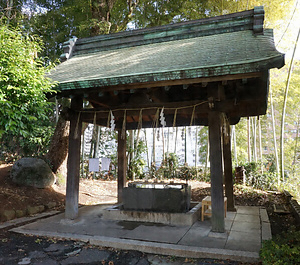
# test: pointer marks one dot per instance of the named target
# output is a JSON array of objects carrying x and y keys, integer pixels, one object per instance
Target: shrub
[
  {"x": 283, "y": 249},
  {"x": 257, "y": 179}
]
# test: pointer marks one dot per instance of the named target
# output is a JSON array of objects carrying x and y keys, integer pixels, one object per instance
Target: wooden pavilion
[{"x": 203, "y": 72}]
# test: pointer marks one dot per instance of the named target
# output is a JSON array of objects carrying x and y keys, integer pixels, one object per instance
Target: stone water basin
[
  {"x": 157, "y": 197},
  {"x": 167, "y": 203}
]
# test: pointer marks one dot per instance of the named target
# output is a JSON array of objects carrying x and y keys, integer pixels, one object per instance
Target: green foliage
[
  {"x": 137, "y": 163},
  {"x": 203, "y": 142},
  {"x": 186, "y": 172},
  {"x": 58, "y": 21},
  {"x": 241, "y": 142},
  {"x": 24, "y": 108},
  {"x": 283, "y": 249},
  {"x": 169, "y": 165},
  {"x": 258, "y": 177}
]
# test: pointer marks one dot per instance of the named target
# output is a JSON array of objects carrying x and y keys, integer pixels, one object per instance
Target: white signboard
[
  {"x": 105, "y": 162},
  {"x": 94, "y": 164}
]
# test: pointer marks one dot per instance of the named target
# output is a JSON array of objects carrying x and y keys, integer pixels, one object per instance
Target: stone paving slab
[
  {"x": 26, "y": 219},
  {"x": 246, "y": 226},
  {"x": 195, "y": 235},
  {"x": 251, "y": 210},
  {"x": 241, "y": 242},
  {"x": 266, "y": 233},
  {"x": 230, "y": 215},
  {"x": 264, "y": 215},
  {"x": 247, "y": 218},
  {"x": 176, "y": 250},
  {"x": 195, "y": 238},
  {"x": 228, "y": 224},
  {"x": 154, "y": 233}
]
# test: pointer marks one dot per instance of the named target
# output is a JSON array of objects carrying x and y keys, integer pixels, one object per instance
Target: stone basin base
[
  {"x": 157, "y": 197},
  {"x": 116, "y": 212}
]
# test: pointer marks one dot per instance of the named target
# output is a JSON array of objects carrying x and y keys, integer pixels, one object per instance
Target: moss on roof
[{"x": 225, "y": 52}]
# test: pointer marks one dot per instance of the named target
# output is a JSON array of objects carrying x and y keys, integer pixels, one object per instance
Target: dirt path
[{"x": 91, "y": 192}]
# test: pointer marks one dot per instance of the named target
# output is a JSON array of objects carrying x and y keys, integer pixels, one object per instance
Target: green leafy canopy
[{"x": 23, "y": 85}]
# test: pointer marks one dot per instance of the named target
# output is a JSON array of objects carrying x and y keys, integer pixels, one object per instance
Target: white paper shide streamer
[
  {"x": 162, "y": 118},
  {"x": 112, "y": 122}
]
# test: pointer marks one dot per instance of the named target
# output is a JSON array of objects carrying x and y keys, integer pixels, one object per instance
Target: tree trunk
[
  {"x": 131, "y": 153},
  {"x": 146, "y": 143},
  {"x": 153, "y": 146},
  {"x": 207, "y": 157},
  {"x": 121, "y": 165},
  {"x": 284, "y": 107},
  {"x": 254, "y": 140},
  {"x": 296, "y": 147},
  {"x": 260, "y": 144},
  {"x": 185, "y": 155},
  {"x": 227, "y": 160},
  {"x": 234, "y": 144},
  {"x": 100, "y": 10},
  {"x": 176, "y": 134},
  {"x": 196, "y": 147},
  {"x": 249, "y": 140},
  {"x": 96, "y": 154},
  {"x": 10, "y": 4},
  {"x": 274, "y": 137},
  {"x": 58, "y": 151}
]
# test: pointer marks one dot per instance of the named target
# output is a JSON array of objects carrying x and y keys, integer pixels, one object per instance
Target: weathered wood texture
[
  {"x": 72, "y": 190},
  {"x": 121, "y": 165},
  {"x": 228, "y": 177},
  {"x": 216, "y": 172}
]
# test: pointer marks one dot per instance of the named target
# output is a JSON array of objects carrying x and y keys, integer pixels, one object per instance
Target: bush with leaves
[
  {"x": 24, "y": 108},
  {"x": 283, "y": 249},
  {"x": 258, "y": 177},
  {"x": 137, "y": 164},
  {"x": 169, "y": 166}
]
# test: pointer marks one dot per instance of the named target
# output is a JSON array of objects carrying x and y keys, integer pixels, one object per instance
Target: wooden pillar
[
  {"x": 121, "y": 165},
  {"x": 216, "y": 171},
  {"x": 228, "y": 168},
  {"x": 73, "y": 165}
]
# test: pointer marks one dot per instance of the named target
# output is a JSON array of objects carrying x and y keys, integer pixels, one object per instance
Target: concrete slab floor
[{"x": 241, "y": 241}]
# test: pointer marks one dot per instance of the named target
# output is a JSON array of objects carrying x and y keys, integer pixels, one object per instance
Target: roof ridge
[{"x": 246, "y": 20}]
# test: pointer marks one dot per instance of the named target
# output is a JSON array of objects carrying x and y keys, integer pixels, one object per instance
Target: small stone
[
  {"x": 54, "y": 247},
  {"x": 24, "y": 261},
  {"x": 37, "y": 255},
  {"x": 33, "y": 210},
  {"x": 45, "y": 262},
  {"x": 9, "y": 215},
  {"x": 20, "y": 213},
  {"x": 41, "y": 208},
  {"x": 143, "y": 261},
  {"x": 57, "y": 249},
  {"x": 50, "y": 205},
  {"x": 87, "y": 256},
  {"x": 75, "y": 252}
]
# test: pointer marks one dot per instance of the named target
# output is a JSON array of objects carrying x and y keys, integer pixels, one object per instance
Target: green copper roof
[{"x": 226, "y": 52}]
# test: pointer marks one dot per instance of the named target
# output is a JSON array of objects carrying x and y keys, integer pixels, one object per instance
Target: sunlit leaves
[{"x": 23, "y": 103}]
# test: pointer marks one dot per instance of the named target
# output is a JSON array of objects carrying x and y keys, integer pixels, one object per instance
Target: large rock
[{"x": 33, "y": 172}]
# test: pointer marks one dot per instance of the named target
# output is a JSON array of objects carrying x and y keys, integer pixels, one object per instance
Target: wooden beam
[
  {"x": 121, "y": 165},
  {"x": 73, "y": 165},
  {"x": 232, "y": 107},
  {"x": 216, "y": 172},
  {"x": 228, "y": 177},
  {"x": 164, "y": 83}
]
